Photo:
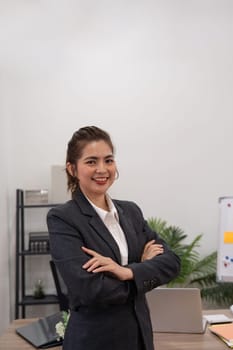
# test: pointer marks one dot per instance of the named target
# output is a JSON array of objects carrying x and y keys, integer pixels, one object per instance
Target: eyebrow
[{"x": 93, "y": 157}]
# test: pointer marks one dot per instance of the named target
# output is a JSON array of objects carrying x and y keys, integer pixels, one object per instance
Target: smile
[{"x": 100, "y": 180}]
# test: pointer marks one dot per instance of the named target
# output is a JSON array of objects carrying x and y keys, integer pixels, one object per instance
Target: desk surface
[{"x": 163, "y": 341}]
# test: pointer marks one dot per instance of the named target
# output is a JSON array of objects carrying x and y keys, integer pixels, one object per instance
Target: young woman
[{"x": 106, "y": 253}]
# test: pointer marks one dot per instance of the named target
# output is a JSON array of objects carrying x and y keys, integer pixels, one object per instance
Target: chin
[{"x": 101, "y": 189}]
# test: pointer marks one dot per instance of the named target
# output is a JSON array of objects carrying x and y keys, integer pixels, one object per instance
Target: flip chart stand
[{"x": 225, "y": 245}]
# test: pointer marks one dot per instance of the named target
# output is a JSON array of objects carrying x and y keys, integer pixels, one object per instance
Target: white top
[{"x": 111, "y": 220}]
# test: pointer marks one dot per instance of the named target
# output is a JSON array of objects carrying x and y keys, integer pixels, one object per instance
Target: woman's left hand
[
  {"x": 100, "y": 263},
  {"x": 151, "y": 249}
]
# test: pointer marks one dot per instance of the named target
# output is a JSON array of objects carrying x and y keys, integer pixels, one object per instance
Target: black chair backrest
[{"x": 60, "y": 288}]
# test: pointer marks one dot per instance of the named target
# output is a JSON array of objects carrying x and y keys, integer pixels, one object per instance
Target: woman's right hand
[
  {"x": 100, "y": 263},
  {"x": 151, "y": 249}
]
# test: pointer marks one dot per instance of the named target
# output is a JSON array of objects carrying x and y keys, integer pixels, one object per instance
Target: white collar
[{"x": 104, "y": 213}]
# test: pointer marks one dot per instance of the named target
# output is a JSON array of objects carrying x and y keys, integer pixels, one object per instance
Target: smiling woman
[
  {"x": 91, "y": 150},
  {"x": 106, "y": 253},
  {"x": 95, "y": 171}
]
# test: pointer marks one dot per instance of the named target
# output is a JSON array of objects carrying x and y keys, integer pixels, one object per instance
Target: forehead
[{"x": 96, "y": 149}]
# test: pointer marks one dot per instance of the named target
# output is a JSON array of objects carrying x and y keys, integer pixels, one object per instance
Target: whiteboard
[{"x": 225, "y": 245}]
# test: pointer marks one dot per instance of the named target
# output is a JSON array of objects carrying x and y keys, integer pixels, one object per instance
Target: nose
[{"x": 101, "y": 167}]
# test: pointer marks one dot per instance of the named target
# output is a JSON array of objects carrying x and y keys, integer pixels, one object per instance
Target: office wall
[
  {"x": 4, "y": 227},
  {"x": 156, "y": 74}
]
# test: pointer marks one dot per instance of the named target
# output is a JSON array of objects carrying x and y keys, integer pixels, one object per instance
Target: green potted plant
[
  {"x": 196, "y": 271},
  {"x": 39, "y": 290}
]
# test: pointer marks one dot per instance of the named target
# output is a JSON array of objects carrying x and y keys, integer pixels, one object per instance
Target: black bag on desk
[{"x": 42, "y": 333}]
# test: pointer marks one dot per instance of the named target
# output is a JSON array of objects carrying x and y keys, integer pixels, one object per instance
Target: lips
[{"x": 101, "y": 180}]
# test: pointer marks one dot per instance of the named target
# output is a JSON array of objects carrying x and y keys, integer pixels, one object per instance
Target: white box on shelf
[
  {"x": 59, "y": 193},
  {"x": 35, "y": 197}
]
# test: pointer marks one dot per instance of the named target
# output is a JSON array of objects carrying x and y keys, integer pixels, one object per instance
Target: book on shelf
[
  {"x": 39, "y": 242},
  {"x": 224, "y": 332}
]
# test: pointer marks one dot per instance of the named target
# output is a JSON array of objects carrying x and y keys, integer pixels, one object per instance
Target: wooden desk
[
  {"x": 205, "y": 341},
  {"x": 163, "y": 341}
]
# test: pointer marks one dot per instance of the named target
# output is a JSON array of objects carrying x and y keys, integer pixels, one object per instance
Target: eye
[
  {"x": 91, "y": 162},
  {"x": 109, "y": 161}
]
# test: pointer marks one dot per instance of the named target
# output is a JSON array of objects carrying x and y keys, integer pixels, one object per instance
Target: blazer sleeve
[
  {"x": 158, "y": 270},
  {"x": 84, "y": 288}
]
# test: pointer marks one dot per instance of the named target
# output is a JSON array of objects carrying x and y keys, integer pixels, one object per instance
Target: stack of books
[{"x": 38, "y": 242}]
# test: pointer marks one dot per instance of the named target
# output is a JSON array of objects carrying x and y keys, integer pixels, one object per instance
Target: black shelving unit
[{"x": 21, "y": 299}]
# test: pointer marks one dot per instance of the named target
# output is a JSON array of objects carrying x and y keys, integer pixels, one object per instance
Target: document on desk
[
  {"x": 224, "y": 332},
  {"x": 217, "y": 318}
]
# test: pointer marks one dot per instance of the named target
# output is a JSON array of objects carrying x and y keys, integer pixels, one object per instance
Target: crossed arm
[{"x": 99, "y": 263}]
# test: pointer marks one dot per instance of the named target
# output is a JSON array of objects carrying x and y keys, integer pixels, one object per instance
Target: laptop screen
[
  {"x": 42, "y": 333},
  {"x": 176, "y": 310}
]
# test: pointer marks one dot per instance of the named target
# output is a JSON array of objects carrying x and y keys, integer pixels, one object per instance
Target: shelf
[
  {"x": 38, "y": 245},
  {"x": 49, "y": 205},
  {"x": 30, "y": 300},
  {"x": 29, "y": 252}
]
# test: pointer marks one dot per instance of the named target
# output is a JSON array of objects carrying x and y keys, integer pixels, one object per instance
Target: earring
[{"x": 117, "y": 174}]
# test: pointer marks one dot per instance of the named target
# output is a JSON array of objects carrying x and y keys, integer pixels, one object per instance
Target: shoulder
[
  {"x": 128, "y": 206},
  {"x": 63, "y": 210},
  {"x": 64, "y": 215}
]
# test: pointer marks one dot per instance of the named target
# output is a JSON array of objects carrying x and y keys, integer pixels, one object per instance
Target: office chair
[{"x": 60, "y": 288}]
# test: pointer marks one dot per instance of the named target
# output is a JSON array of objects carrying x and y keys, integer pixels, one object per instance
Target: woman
[{"x": 106, "y": 253}]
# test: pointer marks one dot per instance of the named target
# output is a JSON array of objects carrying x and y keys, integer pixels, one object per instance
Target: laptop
[
  {"x": 42, "y": 333},
  {"x": 176, "y": 310}
]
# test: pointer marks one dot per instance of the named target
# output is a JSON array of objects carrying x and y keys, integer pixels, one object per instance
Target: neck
[{"x": 99, "y": 201}]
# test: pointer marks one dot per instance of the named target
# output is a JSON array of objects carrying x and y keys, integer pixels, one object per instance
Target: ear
[
  {"x": 117, "y": 174},
  {"x": 70, "y": 168}
]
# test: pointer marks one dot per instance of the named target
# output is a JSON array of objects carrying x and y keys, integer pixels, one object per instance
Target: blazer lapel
[
  {"x": 130, "y": 234},
  {"x": 97, "y": 224},
  {"x": 100, "y": 228}
]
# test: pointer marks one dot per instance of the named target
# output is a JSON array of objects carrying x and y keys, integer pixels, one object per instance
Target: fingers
[
  {"x": 96, "y": 262},
  {"x": 152, "y": 244},
  {"x": 148, "y": 244},
  {"x": 101, "y": 269},
  {"x": 151, "y": 249},
  {"x": 91, "y": 264},
  {"x": 102, "y": 264},
  {"x": 156, "y": 248},
  {"x": 99, "y": 263},
  {"x": 90, "y": 251}
]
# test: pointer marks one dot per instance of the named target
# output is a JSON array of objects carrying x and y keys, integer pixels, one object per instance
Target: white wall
[
  {"x": 5, "y": 249},
  {"x": 156, "y": 74}
]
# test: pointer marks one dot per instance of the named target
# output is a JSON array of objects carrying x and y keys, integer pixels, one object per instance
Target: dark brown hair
[{"x": 79, "y": 140}]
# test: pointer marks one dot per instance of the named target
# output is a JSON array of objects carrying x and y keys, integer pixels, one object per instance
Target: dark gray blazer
[{"x": 107, "y": 313}]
